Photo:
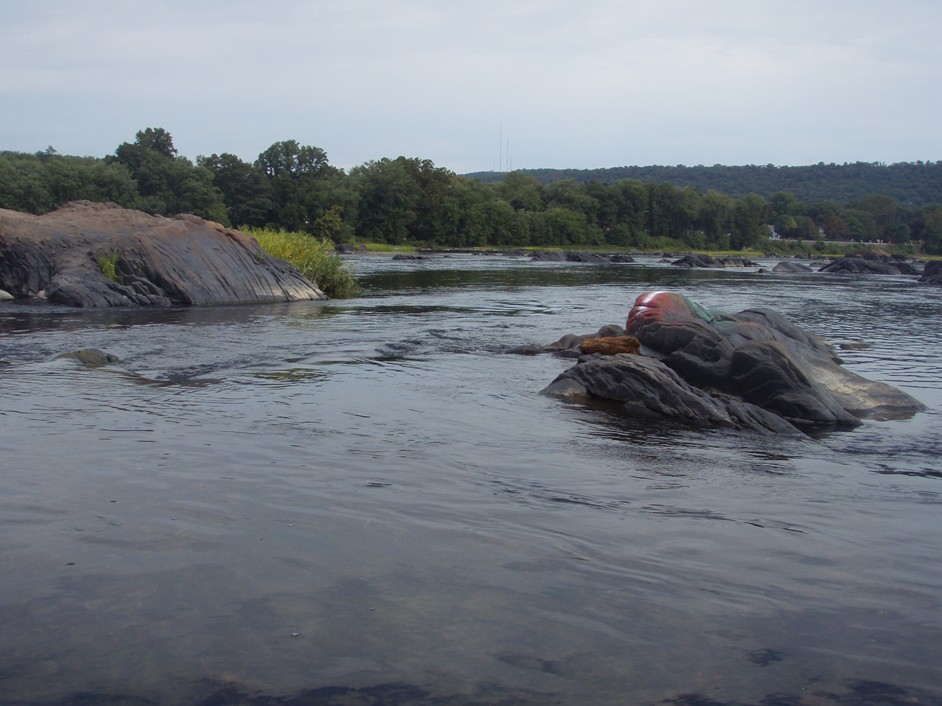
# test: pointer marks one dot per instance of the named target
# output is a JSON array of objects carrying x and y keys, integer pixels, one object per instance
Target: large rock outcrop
[
  {"x": 63, "y": 256},
  {"x": 753, "y": 370}
]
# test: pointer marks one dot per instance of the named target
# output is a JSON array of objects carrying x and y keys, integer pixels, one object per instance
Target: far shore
[{"x": 811, "y": 250}]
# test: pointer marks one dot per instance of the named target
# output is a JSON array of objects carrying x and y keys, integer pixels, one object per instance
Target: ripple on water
[{"x": 363, "y": 500}]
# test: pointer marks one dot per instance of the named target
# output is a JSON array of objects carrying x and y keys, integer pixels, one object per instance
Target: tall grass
[
  {"x": 108, "y": 264},
  {"x": 314, "y": 258}
]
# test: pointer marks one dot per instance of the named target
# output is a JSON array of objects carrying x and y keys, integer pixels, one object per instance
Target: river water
[{"x": 366, "y": 502}]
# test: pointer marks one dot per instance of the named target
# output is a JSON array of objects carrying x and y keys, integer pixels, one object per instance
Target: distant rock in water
[
  {"x": 693, "y": 261},
  {"x": 873, "y": 262},
  {"x": 751, "y": 370},
  {"x": 579, "y": 256},
  {"x": 788, "y": 266},
  {"x": 89, "y": 254}
]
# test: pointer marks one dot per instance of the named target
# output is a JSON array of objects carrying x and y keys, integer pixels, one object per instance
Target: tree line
[
  {"x": 411, "y": 201},
  {"x": 909, "y": 183}
]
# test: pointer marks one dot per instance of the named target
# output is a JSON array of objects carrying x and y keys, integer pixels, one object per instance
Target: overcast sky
[{"x": 481, "y": 84}]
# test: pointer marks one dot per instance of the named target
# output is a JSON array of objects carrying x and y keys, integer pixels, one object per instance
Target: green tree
[
  {"x": 931, "y": 232},
  {"x": 22, "y": 186},
  {"x": 860, "y": 224},
  {"x": 158, "y": 140},
  {"x": 246, "y": 193},
  {"x": 522, "y": 192},
  {"x": 301, "y": 182},
  {"x": 882, "y": 210},
  {"x": 388, "y": 200},
  {"x": 715, "y": 218},
  {"x": 748, "y": 216},
  {"x": 169, "y": 184}
]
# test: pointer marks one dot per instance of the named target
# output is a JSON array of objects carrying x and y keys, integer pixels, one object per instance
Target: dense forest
[
  {"x": 909, "y": 183},
  {"x": 409, "y": 200}
]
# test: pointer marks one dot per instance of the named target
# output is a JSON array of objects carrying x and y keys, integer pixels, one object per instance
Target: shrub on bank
[{"x": 314, "y": 258}]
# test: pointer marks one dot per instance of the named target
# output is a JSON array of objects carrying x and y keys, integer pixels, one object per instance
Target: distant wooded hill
[{"x": 913, "y": 184}]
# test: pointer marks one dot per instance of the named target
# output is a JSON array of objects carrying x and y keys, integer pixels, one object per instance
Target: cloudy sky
[{"x": 481, "y": 84}]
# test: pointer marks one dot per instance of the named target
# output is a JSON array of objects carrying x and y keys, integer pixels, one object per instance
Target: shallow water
[{"x": 366, "y": 502}]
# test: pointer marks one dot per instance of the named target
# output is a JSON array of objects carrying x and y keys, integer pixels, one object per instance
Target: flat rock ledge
[
  {"x": 701, "y": 368},
  {"x": 62, "y": 257}
]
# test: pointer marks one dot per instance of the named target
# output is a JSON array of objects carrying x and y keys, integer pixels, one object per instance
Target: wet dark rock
[
  {"x": 788, "y": 266},
  {"x": 873, "y": 262},
  {"x": 404, "y": 256},
  {"x": 647, "y": 389},
  {"x": 579, "y": 256},
  {"x": 157, "y": 261},
  {"x": 695, "y": 261},
  {"x": 932, "y": 274},
  {"x": 548, "y": 256},
  {"x": 752, "y": 370}
]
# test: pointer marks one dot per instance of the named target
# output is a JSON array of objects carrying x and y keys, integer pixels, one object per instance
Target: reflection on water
[{"x": 366, "y": 502}]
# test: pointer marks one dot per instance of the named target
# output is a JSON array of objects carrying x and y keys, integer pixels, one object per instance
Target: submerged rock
[
  {"x": 98, "y": 255},
  {"x": 89, "y": 357},
  {"x": 753, "y": 370},
  {"x": 788, "y": 266}
]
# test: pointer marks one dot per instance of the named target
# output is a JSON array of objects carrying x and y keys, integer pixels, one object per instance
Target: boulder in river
[
  {"x": 579, "y": 256},
  {"x": 708, "y": 261},
  {"x": 754, "y": 369},
  {"x": 89, "y": 254},
  {"x": 789, "y": 266},
  {"x": 932, "y": 274},
  {"x": 872, "y": 262}
]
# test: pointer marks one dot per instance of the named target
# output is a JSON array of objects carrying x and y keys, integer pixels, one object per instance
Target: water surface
[{"x": 368, "y": 502}]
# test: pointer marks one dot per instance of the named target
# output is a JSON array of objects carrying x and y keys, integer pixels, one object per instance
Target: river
[{"x": 367, "y": 502}]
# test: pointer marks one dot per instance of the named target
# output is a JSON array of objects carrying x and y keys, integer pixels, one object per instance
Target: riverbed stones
[{"x": 89, "y": 254}]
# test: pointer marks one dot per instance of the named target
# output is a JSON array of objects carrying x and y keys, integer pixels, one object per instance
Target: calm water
[{"x": 366, "y": 502}]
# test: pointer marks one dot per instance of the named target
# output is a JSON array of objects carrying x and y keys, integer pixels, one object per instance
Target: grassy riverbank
[{"x": 314, "y": 258}]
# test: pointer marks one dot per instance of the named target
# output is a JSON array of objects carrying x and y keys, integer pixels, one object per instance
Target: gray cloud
[{"x": 591, "y": 84}]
